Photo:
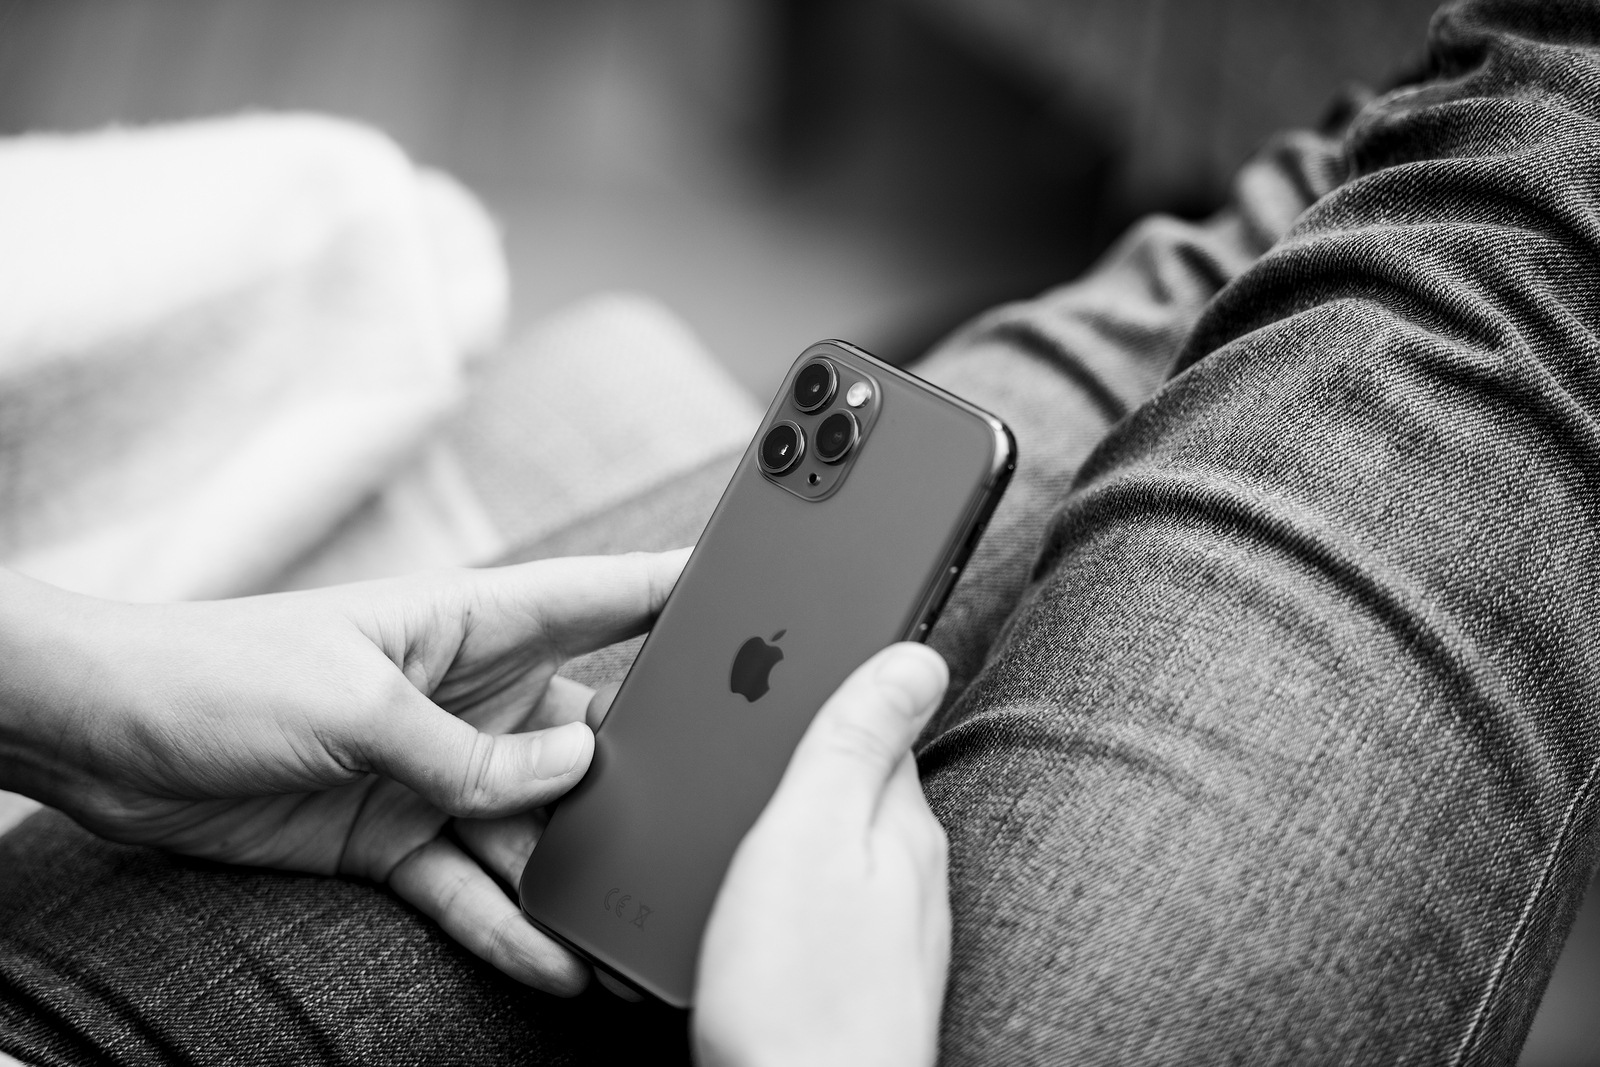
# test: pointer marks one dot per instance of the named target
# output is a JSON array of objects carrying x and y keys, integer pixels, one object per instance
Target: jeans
[{"x": 1271, "y": 735}]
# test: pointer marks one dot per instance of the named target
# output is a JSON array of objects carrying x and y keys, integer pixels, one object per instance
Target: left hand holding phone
[{"x": 333, "y": 731}]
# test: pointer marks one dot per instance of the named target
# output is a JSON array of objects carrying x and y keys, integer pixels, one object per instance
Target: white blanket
[{"x": 218, "y": 338}]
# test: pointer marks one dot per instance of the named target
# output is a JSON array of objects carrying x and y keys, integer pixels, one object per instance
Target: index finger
[{"x": 582, "y": 603}]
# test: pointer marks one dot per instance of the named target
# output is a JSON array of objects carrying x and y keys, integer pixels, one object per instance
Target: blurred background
[{"x": 775, "y": 171}]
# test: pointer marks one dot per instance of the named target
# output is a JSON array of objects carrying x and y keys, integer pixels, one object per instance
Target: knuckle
[
  {"x": 474, "y": 786},
  {"x": 895, "y": 700},
  {"x": 657, "y": 584},
  {"x": 445, "y": 895},
  {"x": 500, "y": 946},
  {"x": 847, "y": 735}
]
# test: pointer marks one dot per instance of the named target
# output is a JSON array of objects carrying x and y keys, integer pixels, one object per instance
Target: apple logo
[{"x": 751, "y": 665}]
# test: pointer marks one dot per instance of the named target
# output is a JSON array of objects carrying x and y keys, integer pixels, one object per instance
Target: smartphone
[{"x": 845, "y": 525}]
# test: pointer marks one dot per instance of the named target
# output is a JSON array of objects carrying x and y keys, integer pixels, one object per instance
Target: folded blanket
[{"x": 218, "y": 338}]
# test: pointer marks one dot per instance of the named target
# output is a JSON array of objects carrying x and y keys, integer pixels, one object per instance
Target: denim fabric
[
  {"x": 1063, "y": 369},
  {"x": 1281, "y": 750},
  {"x": 115, "y": 954},
  {"x": 1289, "y": 753}
]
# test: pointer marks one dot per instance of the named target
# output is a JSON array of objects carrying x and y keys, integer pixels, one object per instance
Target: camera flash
[{"x": 859, "y": 394}]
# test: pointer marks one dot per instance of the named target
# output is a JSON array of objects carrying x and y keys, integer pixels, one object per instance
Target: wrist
[{"x": 54, "y": 680}]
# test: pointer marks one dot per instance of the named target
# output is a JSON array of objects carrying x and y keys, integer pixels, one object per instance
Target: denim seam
[{"x": 1519, "y": 933}]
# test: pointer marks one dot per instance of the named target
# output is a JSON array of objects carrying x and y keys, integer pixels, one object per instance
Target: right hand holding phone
[{"x": 830, "y": 938}]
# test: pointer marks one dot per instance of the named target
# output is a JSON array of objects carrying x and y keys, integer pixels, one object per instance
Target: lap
[
  {"x": 117, "y": 954},
  {"x": 111, "y": 953}
]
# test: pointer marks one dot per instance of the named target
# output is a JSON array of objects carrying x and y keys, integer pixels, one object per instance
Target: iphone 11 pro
[{"x": 844, "y": 527}]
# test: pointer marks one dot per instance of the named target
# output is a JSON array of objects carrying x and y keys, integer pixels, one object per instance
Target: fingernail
[
  {"x": 917, "y": 671},
  {"x": 561, "y": 749}
]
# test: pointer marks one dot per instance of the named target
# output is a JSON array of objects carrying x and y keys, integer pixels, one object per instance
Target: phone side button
[{"x": 946, "y": 583}]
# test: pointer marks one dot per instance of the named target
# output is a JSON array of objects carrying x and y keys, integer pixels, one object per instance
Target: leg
[
  {"x": 1063, "y": 369},
  {"x": 1289, "y": 753},
  {"x": 116, "y": 954}
]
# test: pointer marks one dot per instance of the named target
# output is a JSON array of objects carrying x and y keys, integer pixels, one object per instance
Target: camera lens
[
  {"x": 782, "y": 448},
  {"x": 836, "y": 436},
  {"x": 814, "y": 385}
]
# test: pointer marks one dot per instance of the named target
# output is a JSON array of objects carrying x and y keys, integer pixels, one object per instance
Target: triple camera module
[{"x": 806, "y": 449}]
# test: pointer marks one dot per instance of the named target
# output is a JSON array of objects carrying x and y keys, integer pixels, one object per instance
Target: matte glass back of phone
[{"x": 632, "y": 859}]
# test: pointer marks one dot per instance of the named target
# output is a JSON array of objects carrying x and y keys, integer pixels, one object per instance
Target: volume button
[{"x": 946, "y": 584}]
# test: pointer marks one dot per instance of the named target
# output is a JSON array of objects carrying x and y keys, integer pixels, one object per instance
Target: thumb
[
  {"x": 463, "y": 771},
  {"x": 850, "y": 750}
]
